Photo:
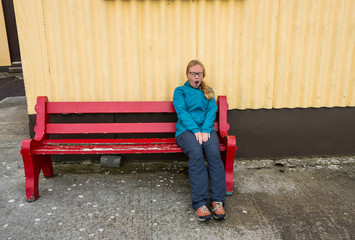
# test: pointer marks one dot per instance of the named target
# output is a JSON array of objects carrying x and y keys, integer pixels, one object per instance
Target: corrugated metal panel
[
  {"x": 4, "y": 46},
  {"x": 33, "y": 47},
  {"x": 351, "y": 93},
  {"x": 315, "y": 47},
  {"x": 237, "y": 41},
  {"x": 169, "y": 33},
  {"x": 261, "y": 54},
  {"x": 117, "y": 50}
]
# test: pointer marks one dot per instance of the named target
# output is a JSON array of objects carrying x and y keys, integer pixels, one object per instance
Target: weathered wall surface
[{"x": 261, "y": 54}]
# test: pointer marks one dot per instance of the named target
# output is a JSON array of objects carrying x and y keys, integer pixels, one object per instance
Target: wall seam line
[
  {"x": 142, "y": 49},
  {"x": 47, "y": 52},
  {"x": 276, "y": 55}
]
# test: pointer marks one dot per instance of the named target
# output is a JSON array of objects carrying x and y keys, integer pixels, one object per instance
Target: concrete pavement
[
  {"x": 11, "y": 85},
  {"x": 298, "y": 198}
]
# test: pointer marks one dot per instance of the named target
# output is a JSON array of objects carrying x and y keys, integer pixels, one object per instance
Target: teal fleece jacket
[{"x": 195, "y": 113}]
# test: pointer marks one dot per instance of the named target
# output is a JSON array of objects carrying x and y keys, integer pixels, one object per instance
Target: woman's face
[{"x": 195, "y": 76}]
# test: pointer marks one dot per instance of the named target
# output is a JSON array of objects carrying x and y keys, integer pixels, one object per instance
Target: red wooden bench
[{"x": 36, "y": 153}]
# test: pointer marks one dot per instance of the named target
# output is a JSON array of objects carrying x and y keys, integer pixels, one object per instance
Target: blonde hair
[{"x": 209, "y": 94}]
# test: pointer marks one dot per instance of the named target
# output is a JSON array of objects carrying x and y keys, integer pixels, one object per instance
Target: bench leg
[
  {"x": 46, "y": 165},
  {"x": 32, "y": 170},
  {"x": 228, "y": 160},
  {"x": 229, "y": 163}
]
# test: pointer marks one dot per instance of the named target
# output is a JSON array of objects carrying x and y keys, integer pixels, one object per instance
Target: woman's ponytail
[{"x": 209, "y": 94}]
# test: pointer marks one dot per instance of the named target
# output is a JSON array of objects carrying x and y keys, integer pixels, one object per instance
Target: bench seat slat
[
  {"x": 109, "y": 148},
  {"x": 109, "y": 141}
]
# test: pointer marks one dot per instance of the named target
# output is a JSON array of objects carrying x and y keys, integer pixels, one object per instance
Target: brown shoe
[
  {"x": 203, "y": 213},
  {"x": 218, "y": 210}
]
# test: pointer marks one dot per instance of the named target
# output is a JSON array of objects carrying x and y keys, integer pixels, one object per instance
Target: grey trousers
[{"x": 201, "y": 178}]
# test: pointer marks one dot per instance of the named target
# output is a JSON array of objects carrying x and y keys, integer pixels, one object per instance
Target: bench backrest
[{"x": 44, "y": 108}]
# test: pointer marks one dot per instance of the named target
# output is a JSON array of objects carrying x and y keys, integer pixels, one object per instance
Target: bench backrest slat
[
  {"x": 92, "y": 128},
  {"x": 109, "y": 107}
]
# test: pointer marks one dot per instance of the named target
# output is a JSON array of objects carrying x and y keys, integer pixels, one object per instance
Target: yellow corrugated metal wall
[
  {"x": 260, "y": 53},
  {"x": 5, "y": 59},
  {"x": 315, "y": 49}
]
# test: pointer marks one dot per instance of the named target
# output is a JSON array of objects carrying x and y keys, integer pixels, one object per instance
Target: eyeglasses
[{"x": 194, "y": 74}]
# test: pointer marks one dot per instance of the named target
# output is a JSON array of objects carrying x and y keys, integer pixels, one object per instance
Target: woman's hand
[
  {"x": 199, "y": 137},
  {"x": 205, "y": 137},
  {"x": 202, "y": 137}
]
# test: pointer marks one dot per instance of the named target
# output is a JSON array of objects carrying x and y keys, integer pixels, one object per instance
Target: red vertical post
[
  {"x": 229, "y": 141},
  {"x": 229, "y": 162},
  {"x": 41, "y": 118},
  {"x": 222, "y": 116},
  {"x": 32, "y": 170},
  {"x": 34, "y": 163}
]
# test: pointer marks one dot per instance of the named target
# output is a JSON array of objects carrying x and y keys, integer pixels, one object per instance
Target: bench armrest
[
  {"x": 29, "y": 144},
  {"x": 229, "y": 141},
  {"x": 42, "y": 118},
  {"x": 222, "y": 116}
]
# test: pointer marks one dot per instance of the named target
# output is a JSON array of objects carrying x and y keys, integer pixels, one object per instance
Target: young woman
[{"x": 196, "y": 111}]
